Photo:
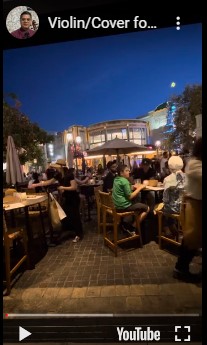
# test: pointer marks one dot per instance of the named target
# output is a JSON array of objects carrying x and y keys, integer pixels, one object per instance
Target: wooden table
[
  {"x": 29, "y": 201},
  {"x": 88, "y": 190}
]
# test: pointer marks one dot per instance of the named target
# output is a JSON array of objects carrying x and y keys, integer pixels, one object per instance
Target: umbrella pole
[
  {"x": 118, "y": 157},
  {"x": 104, "y": 161}
]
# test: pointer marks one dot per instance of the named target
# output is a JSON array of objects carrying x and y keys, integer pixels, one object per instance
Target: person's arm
[
  {"x": 138, "y": 188},
  {"x": 42, "y": 183},
  {"x": 73, "y": 186},
  {"x": 127, "y": 190},
  {"x": 82, "y": 181}
]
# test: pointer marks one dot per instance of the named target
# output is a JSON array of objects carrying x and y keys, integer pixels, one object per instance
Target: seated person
[
  {"x": 172, "y": 195},
  {"x": 88, "y": 176},
  {"x": 146, "y": 172},
  {"x": 100, "y": 171},
  {"x": 123, "y": 195},
  {"x": 109, "y": 178}
]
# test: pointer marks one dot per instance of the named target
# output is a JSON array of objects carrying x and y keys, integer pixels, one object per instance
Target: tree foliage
[
  {"x": 27, "y": 135},
  {"x": 188, "y": 105}
]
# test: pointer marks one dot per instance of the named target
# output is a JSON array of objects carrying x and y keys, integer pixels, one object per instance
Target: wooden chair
[
  {"x": 10, "y": 236},
  {"x": 9, "y": 191},
  {"x": 36, "y": 217},
  {"x": 98, "y": 207},
  {"x": 108, "y": 207},
  {"x": 180, "y": 218},
  {"x": 161, "y": 235}
]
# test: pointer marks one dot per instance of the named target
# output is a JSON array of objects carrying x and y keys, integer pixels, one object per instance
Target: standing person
[
  {"x": 71, "y": 203},
  {"x": 123, "y": 195},
  {"x": 192, "y": 234},
  {"x": 26, "y": 22}
]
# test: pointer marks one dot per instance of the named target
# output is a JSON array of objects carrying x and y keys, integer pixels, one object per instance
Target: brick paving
[{"x": 86, "y": 278}]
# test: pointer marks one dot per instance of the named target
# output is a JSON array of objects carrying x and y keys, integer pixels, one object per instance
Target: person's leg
[
  {"x": 76, "y": 223},
  {"x": 141, "y": 211},
  {"x": 169, "y": 227},
  {"x": 73, "y": 217},
  {"x": 192, "y": 239},
  {"x": 149, "y": 199},
  {"x": 181, "y": 270}
]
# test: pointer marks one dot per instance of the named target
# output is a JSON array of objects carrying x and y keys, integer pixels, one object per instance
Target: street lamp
[
  {"x": 74, "y": 142},
  {"x": 157, "y": 144}
]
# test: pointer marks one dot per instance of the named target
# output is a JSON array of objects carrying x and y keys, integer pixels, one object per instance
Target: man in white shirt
[{"x": 192, "y": 232}]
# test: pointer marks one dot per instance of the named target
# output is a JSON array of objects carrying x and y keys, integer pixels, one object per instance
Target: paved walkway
[{"x": 86, "y": 278}]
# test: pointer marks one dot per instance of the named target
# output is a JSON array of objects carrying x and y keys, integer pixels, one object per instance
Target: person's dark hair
[
  {"x": 121, "y": 168},
  {"x": 197, "y": 149},
  {"x": 165, "y": 154},
  {"x": 110, "y": 163},
  {"x": 26, "y": 12},
  {"x": 50, "y": 173},
  {"x": 146, "y": 161},
  {"x": 70, "y": 172}
]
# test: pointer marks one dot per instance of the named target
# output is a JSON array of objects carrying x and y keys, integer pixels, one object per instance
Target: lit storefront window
[
  {"x": 116, "y": 133},
  {"x": 97, "y": 137},
  {"x": 138, "y": 135}
]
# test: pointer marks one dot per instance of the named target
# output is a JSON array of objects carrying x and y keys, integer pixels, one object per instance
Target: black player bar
[{"x": 145, "y": 328}]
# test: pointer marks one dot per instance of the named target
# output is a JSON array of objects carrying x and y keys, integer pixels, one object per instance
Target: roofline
[{"x": 117, "y": 120}]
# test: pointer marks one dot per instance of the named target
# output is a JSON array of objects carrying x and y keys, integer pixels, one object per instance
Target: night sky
[{"x": 105, "y": 78}]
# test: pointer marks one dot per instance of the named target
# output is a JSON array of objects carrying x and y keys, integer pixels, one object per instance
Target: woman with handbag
[{"x": 71, "y": 203}]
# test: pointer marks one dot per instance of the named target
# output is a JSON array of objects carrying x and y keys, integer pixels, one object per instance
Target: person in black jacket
[
  {"x": 109, "y": 179},
  {"x": 146, "y": 172}
]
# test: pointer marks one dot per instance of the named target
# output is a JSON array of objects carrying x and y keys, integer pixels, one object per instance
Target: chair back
[
  {"x": 106, "y": 200},
  {"x": 97, "y": 196},
  {"x": 9, "y": 191}
]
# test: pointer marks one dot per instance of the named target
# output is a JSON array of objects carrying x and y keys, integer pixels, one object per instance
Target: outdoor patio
[{"x": 87, "y": 278}]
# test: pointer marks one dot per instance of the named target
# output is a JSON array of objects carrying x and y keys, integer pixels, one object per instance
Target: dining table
[
  {"x": 13, "y": 204},
  {"x": 87, "y": 189}
]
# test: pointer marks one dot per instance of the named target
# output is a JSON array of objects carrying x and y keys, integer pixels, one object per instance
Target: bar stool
[
  {"x": 108, "y": 207},
  {"x": 10, "y": 235}
]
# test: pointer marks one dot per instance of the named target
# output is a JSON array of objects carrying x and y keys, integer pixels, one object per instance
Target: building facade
[
  {"x": 99, "y": 133},
  {"x": 55, "y": 149},
  {"x": 157, "y": 121},
  {"x": 131, "y": 130}
]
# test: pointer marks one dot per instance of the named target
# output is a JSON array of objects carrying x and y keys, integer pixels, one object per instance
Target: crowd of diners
[{"x": 181, "y": 180}]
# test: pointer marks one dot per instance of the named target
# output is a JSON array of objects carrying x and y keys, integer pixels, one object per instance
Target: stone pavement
[{"x": 86, "y": 278}]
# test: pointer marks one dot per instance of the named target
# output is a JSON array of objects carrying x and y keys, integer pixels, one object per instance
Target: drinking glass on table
[{"x": 137, "y": 180}]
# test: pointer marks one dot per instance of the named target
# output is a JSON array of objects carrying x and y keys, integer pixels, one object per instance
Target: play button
[{"x": 23, "y": 333}]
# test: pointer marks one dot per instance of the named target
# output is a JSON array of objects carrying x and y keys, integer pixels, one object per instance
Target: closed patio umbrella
[
  {"x": 70, "y": 157},
  {"x": 14, "y": 171}
]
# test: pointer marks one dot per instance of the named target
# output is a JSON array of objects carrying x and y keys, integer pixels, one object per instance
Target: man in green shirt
[{"x": 123, "y": 195}]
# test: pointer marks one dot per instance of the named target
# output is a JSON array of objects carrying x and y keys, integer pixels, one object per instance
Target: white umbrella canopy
[
  {"x": 14, "y": 173},
  {"x": 117, "y": 146}
]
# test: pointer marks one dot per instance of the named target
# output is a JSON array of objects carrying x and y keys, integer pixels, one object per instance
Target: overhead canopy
[{"x": 117, "y": 146}]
